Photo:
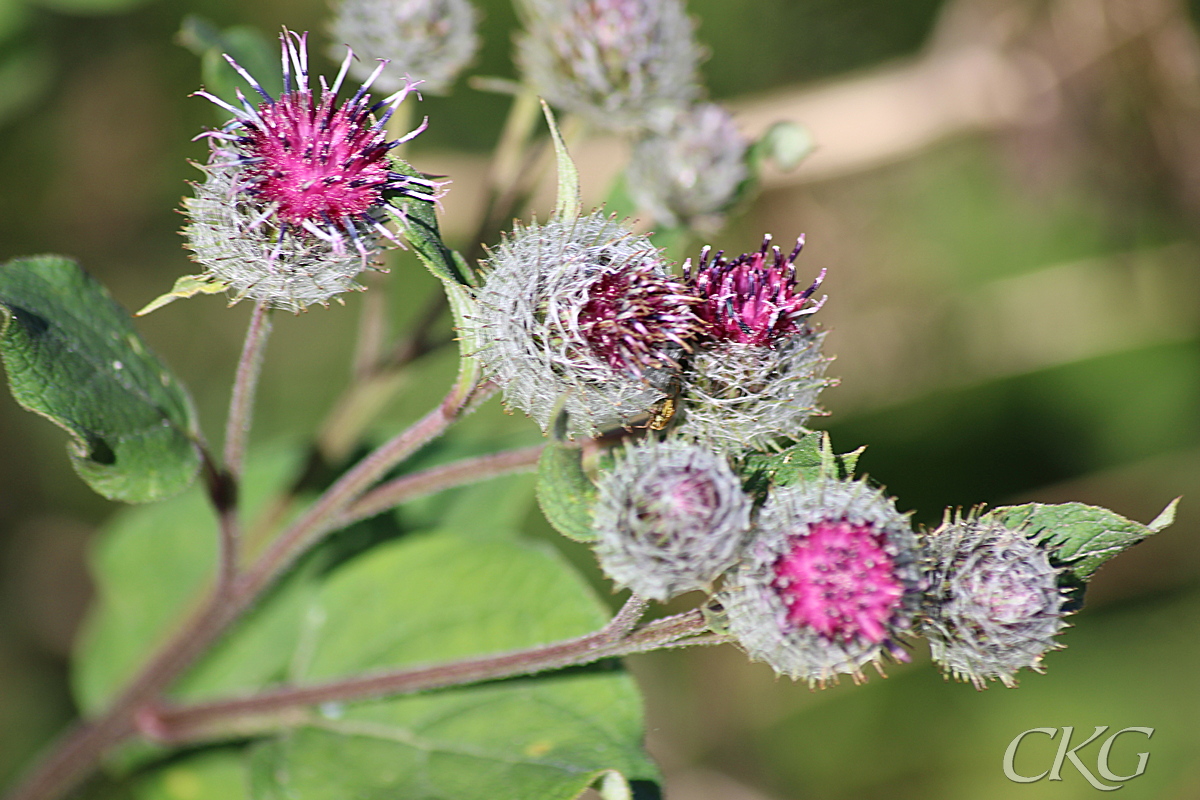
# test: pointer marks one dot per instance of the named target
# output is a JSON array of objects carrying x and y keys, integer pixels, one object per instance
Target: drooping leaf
[
  {"x": 437, "y": 597},
  {"x": 73, "y": 356},
  {"x": 565, "y": 492},
  {"x": 1079, "y": 537},
  {"x": 153, "y": 564},
  {"x": 185, "y": 286},
  {"x": 569, "y": 202}
]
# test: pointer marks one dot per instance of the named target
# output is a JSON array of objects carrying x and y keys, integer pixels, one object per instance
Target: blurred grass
[{"x": 1001, "y": 339}]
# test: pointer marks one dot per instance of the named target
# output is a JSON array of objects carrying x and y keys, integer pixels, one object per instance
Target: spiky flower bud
[
  {"x": 993, "y": 605},
  {"x": 759, "y": 368},
  {"x": 614, "y": 62},
  {"x": 670, "y": 517},
  {"x": 427, "y": 41},
  {"x": 292, "y": 205},
  {"x": 689, "y": 173},
  {"x": 586, "y": 312},
  {"x": 828, "y": 581}
]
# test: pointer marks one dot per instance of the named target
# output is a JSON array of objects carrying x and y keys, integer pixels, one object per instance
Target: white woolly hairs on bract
[
  {"x": 670, "y": 517},
  {"x": 613, "y": 62},
  {"x": 994, "y": 603},
  {"x": 229, "y": 236},
  {"x": 688, "y": 170},
  {"x": 527, "y": 322},
  {"x": 754, "y": 601}
]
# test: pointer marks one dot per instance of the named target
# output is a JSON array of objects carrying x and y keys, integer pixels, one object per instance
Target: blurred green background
[{"x": 1007, "y": 196}]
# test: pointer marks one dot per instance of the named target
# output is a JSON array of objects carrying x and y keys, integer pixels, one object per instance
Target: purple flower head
[
  {"x": 828, "y": 583},
  {"x": 749, "y": 301},
  {"x": 297, "y": 186},
  {"x": 638, "y": 318},
  {"x": 994, "y": 604},
  {"x": 838, "y": 579}
]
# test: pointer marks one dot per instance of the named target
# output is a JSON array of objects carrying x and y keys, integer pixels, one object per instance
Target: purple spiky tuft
[
  {"x": 750, "y": 301},
  {"x": 638, "y": 318}
]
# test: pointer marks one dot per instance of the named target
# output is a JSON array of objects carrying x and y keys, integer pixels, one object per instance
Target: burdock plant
[{"x": 252, "y": 639}]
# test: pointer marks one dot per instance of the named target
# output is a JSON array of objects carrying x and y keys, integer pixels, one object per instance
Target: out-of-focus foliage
[{"x": 1013, "y": 313}]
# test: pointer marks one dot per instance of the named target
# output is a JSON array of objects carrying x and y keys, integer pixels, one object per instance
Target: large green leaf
[
  {"x": 151, "y": 565},
  {"x": 73, "y": 356},
  {"x": 1079, "y": 537},
  {"x": 442, "y": 596}
]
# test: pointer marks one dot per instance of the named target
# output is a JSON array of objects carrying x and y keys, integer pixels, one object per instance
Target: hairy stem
[
  {"x": 323, "y": 516},
  {"x": 436, "y": 479},
  {"x": 178, "y": 724},
  {"x": 241, "y": 401}
]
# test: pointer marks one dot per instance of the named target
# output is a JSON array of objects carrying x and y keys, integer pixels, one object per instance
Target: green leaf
[
  {"x": 73, "y": 356},
  {"x": 417, "y": 221},
  {"x": 1079, "y": 537},
  {"x": 808, "y": 459},
  {"x": 436, "y": 597},
  {"x": 185, "y": 287},
  {"x": 570, "y": 201},
  {"x": 151, "y": 566},
  {"x": 207, "y": 775},
  {"x": 565, "y": 492}
]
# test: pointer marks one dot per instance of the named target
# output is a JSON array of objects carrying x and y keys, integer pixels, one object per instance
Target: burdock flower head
[
  {"x": 689, "y": 172},
  {"x": 759, "y": 368},
  {"x": 429, "y": 41},
  {"x": 292, "y": 205},
  {"x": 584, "y": 312},
  {"x": 828, "y": 582},
  {"x": 615, "y": 62},
  {"x": 670, "y": 517},
  {"x": 994, "y": 604}
]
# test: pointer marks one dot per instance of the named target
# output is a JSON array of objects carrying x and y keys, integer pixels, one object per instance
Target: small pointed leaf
[
  {"x": 185, "y": 287},
  {"x": 73, "y": 356},
  {"x": 417, "y": 222},
  {"x": 569, "y": 203},
  {"x": 808, "y": 459},
  {"x": 1079, "y": 537},
  {"x": 565, "y": 492}
]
